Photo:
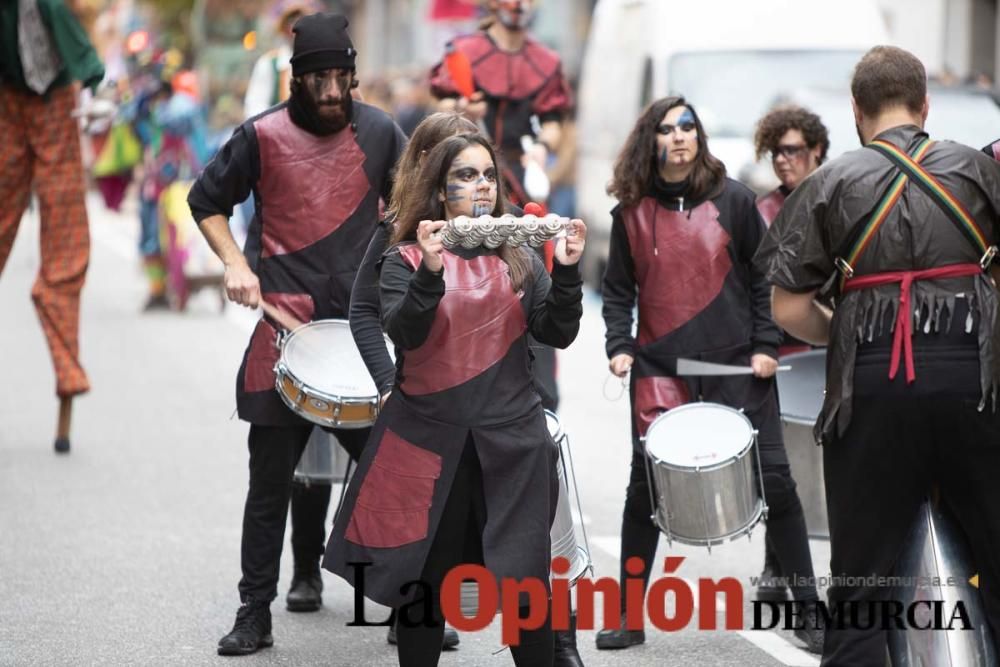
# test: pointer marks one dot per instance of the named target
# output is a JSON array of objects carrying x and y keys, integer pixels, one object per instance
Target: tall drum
[
  {"x": 800, "y": 394},
  {"x": 704, "y": 471},
  {"x": 323, "y": 461}
]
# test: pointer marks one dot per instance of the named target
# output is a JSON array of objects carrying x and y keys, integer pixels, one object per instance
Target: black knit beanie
[{"x": 321, "y": 42}]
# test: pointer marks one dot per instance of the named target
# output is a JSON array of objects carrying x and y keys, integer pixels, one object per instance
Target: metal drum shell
[
  {"x": 706, "y": 505},
  {"x": 323, "y": 460}
]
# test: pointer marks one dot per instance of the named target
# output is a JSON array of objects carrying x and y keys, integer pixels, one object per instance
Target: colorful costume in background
[{"x": 43, "y": 49}]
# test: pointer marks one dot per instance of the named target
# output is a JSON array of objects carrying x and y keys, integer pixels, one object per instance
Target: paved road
[{"x": 127, "y": 550}]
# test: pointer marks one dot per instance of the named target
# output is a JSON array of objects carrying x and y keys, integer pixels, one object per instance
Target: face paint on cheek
[
  {"x": 453, "y": 192},
  {"x": 663, "y": 156}
]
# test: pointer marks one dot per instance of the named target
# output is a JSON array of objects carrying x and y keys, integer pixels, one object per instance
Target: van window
[{"x": 732, "y": 89}]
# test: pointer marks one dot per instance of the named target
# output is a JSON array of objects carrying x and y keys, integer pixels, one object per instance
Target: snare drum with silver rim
[
  {"x": 705, "y": 480},
  {"x": 321, "y": 376}
]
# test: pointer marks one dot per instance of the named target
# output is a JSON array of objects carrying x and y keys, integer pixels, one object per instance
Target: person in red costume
[{"x": 515, "y": 79}]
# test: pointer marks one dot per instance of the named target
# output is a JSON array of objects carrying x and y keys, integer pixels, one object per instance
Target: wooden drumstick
[{"x": 280, "y": 316}]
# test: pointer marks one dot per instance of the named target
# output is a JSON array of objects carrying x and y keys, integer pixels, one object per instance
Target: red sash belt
[{"x": 902, "y": 337}]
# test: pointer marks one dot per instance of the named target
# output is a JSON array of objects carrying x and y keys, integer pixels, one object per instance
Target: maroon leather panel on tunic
[
  {"x": 302, "y": 173},
  {"x": 517, "y": 75},
  {"x": 770, "y": 205},
  {"x": 477, "y": 320},
  {"x": 654, "y": 396},
  {"x": 394, "y": 502},
  {"x": 264, "y": 353},
  {"x": 680, "y": 268}
]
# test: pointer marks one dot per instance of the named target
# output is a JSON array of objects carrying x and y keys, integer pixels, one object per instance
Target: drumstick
[{"x": 280, "y": 316}]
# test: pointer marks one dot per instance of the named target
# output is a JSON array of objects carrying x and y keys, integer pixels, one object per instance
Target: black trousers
[
  {"x": 274, "y": 453},
  {"x": 786, "y": 523},
  {"x": 459, "y": 540},
  {"x": 902, "y": 441}
]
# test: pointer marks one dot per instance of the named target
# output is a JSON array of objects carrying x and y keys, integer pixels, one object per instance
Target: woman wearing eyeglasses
[
  {"x": 797, "y": 142},
  {"x": 682, "y": 241}
]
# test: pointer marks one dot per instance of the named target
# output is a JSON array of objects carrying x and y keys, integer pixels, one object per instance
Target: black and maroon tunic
[
  {"x": 688, "y": 266},
  {"x": 770, "y": 204},
  {"x": 463, "y": 373},
  {"x": 317, "y": 205}
]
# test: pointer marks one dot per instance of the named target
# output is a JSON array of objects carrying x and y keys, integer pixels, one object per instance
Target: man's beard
[
  {"x": 513, "y": 20},
  {"x": 306, "y": 114}
]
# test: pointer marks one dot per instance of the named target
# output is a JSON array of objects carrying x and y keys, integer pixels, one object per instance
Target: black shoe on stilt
[{"x": 62, "y": 445}]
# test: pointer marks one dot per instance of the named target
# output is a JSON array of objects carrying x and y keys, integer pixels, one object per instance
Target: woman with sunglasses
[
  {"x": 797, "y": 142},
  {"x": 460, "y": 467},
  {"x": 682, "y": 241}
]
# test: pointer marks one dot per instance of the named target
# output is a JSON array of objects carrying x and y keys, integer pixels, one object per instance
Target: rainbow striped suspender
[{"x": 910, "y": 169}]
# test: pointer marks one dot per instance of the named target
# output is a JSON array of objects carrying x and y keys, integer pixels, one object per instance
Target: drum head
[
  {"x": 322, "y": 356},
  {"x": 698, "y": 435},
  {"x": 555, "y": 428},
  {"x": 800, "y": 390}
]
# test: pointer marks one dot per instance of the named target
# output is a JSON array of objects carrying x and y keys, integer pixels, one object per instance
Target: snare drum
[
  {"x": 321, "y": 377},
  {"x": 704, "y": 471}
]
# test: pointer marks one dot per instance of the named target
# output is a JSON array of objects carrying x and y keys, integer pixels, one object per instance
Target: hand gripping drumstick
[{"x": 280, "y": 316}]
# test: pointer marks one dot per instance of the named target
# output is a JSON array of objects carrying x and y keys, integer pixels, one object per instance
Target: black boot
[
  {"x": 305, "y": 591},
  {"x": 565, "y": 654},
  {"x": 251, "y": 631},
  {"x": 813, "y": 634},
  {"x": 448, "y": 642},
  {"x": 770, "y": 587},
  {"x": 620, "y": 638}
]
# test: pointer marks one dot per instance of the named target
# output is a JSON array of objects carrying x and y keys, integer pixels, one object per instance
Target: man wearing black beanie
[{"x": 317, "y": 166}]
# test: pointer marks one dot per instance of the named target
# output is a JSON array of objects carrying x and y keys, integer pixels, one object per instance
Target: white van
[{"x": 731, "y": 59}]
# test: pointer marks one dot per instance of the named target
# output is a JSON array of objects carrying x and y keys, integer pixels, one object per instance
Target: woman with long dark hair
[
  {"x": 460, "y": 467},
  {"x": 683, "y": 238}
]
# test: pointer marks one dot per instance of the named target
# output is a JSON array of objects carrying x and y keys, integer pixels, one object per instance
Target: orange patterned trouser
[{"x": 40, "y": 151}]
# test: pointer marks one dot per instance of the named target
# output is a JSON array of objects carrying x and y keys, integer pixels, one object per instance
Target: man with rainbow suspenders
[{"x": 899, "y": 237}]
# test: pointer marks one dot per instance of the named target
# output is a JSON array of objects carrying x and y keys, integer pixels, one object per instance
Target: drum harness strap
[{"x": 862, "y": 233}]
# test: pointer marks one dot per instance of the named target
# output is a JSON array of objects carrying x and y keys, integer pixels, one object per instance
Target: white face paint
[
  {"x": 515, "y": 14},
  {"x": 676, "y": 143},
  {"x": 471, "y": 186}
]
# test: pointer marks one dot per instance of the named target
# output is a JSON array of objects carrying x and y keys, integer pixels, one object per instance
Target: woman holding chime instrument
[{"x": 460, "y": 467}]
